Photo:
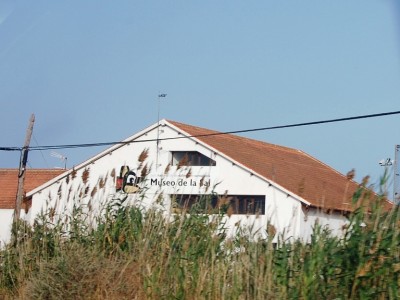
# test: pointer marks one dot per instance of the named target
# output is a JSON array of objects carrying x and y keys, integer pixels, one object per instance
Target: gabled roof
[
  {"x": 297, "y": 173},
  {"x": 33, "y": 179},
  {"x": 294, "y": 170}
]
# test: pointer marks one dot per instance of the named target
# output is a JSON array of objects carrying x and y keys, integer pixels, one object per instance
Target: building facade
[
  {"x": 8, "y": 194},
  {"x": 175, "y": 167}
]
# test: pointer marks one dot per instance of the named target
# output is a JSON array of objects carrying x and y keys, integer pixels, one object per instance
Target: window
[
  {"x": 191, "y": 158},
  {"x": 236, "y": 204},
  {"x": 250, "y": 205}
]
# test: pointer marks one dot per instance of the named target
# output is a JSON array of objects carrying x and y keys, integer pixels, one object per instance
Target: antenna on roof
[
  {"x": 158, "y": 125},
  {"x": 61, "y": 157}
]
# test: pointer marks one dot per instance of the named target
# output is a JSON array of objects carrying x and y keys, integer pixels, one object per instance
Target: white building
[
  {"x": 175, "y": 163},
  {"x": 8, "y": 193}
]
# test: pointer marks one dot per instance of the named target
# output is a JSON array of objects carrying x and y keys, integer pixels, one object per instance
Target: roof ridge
[
  {"x": 328, "y": 166},
  {"x": 236, "y": 136}
]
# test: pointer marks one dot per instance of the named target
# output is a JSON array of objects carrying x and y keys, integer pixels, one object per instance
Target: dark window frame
[
  {"x": 191, "y": 158},
  {"x": 233, "y": 204}
]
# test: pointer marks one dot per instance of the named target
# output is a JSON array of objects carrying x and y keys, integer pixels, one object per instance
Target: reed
[{"x": 128, "y": 253}]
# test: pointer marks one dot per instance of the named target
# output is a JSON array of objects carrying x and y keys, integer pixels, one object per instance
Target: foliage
[{"x": 129, "y": 253}]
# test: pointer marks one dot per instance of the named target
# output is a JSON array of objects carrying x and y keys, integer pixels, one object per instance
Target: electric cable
[
  {"x": 71, "y": 146},
  {"x": 41, "y": 152}
]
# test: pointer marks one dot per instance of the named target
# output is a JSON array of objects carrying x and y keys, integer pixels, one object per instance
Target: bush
[{"x": 132, "y": 254}]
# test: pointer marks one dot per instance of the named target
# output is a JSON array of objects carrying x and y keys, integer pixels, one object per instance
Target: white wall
[
  {"x": 334, "y": 222},
  {"x": 6, "y": 217},
  {"x": 283, "y": 211}
]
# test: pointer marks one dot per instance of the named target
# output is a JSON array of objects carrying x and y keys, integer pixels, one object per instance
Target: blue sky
[{"x": 91, "y": 71}]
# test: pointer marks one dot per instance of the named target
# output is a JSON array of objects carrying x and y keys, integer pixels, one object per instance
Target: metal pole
[
  {"x": 158, "y": 126},
  {"x": 22, "y": 169},
  {"x": 396, "y": 179}
]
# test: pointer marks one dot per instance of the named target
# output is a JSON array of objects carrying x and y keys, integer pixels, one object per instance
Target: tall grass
[{"x": 135, "y": 254}]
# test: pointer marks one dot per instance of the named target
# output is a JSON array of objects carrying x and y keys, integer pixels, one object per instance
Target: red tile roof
[
  {"x": 33, "y": 179},
  {"x": 294, "y": 170}
]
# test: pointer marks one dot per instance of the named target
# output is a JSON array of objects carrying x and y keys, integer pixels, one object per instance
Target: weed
[{"x": 126, "y": 252}]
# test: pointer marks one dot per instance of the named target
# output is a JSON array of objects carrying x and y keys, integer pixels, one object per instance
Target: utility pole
[
  {"x": 396, "y": 179},
  {"x": 158, "y": 127},
  {"x": 22, "y": 169}
]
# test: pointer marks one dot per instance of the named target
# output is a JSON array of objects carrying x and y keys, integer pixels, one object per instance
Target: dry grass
[
  {"x": 81, "y": 273},
  {"x": 132, "y": 254}
]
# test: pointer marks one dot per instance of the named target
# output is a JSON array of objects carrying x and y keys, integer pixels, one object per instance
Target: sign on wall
[{"x": 127, "y": 181}]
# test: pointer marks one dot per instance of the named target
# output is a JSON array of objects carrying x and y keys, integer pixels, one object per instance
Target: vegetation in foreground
[{"x": 135, "y": 255}]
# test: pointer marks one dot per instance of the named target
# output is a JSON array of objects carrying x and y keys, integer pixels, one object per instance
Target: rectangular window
[
  {"x": 236, "y": 204},
  {"x": 249, "y": 205},
  {"x": 191, "y": 158}
]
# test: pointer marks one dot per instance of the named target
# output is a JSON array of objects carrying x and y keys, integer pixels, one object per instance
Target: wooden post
[{"x": 22, "y": 169}]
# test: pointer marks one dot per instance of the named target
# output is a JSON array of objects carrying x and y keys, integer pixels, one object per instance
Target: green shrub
[{"x": 129, "y": 253}]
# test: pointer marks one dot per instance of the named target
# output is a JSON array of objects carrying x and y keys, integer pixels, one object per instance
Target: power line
[
  {"x": 36, "y": 142},
  {"x": 10, "y": 148},
  {"x": 71, "y": 146}
]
